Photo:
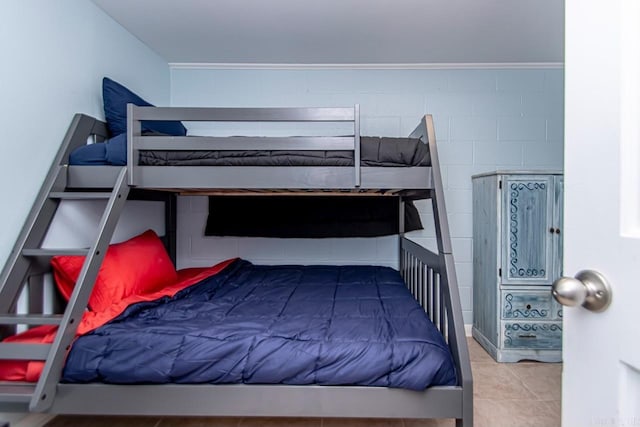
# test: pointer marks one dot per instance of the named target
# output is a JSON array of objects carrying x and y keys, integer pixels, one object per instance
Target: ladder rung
[
  {"x": 14, "y": 393},
  {"x": 30, "y": 319},
  {"x": 48, "y": 253},
  {"x": 73, "y": 195},
  {"x": 11, "y": 351}
]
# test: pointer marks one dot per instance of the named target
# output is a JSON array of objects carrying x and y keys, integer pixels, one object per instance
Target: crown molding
[{"x": 408, "y": 66}]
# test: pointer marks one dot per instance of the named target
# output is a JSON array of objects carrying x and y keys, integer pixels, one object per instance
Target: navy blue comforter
[{"x": 328, "y": 325}]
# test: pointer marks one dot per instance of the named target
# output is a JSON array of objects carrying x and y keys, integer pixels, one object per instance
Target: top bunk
[{"x": 312, "y": 165}]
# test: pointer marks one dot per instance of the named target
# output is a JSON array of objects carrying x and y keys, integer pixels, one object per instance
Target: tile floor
[{"x": 510, "y": 395}]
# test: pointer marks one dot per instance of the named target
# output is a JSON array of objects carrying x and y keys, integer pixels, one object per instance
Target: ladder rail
[
  {"x": 32, "y": 234},
  {"x": 52, "y": 371},
  {"x": 16, "y": 393},
  {"x": 30, "y": 319},
  {"x": 37, "y": 223},
  {"x": 29, "y": 260},
  {"x": 13, "y": 351}
]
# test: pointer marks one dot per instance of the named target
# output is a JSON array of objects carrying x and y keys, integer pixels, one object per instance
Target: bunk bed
[{"x": 429, "y": 276}]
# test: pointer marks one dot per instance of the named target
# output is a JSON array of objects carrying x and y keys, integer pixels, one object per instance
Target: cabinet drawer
[
  {"x": 535, "y": 335},
  {"x": 527, "y": 305}
]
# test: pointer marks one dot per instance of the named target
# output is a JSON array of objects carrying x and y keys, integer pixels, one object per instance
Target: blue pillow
[
  {"x": 92, "y": 154},
  {"x": 110, "y": 152},
  {"x": 116, "y": 97},
  {"x": 116, "y": 150}
]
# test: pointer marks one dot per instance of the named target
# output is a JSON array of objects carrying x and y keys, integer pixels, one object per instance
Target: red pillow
[{"x": 137, "y": 266}]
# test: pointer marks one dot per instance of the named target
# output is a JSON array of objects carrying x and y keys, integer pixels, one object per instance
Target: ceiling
[{"x": 346, "y": 31}]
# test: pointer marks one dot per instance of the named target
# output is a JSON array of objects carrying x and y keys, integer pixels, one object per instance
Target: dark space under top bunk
[{"x": 308, "y": 216}]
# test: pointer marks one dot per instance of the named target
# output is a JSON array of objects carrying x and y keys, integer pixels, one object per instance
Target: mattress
[
  {"x": 326, "y": 325},
  {"x": 374, "y": 152}
]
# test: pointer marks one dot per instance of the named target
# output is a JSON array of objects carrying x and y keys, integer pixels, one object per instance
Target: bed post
[
  {"x": 437, "y": 198},
  {"x": 356, "y": 144},
  {"x": 171, "y": 225},
  {"x": 401, "y": 265},
  {"x": 457, "y": 336},
  {"x": 134, "y": 130},
  {"x": 454, "y": 331}
]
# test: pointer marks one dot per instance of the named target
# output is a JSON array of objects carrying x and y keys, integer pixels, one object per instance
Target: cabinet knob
[
  {"x": 552, "y": 230},
  {"x": 557, "y": 231},
  {"x": 589, "y": 289}
]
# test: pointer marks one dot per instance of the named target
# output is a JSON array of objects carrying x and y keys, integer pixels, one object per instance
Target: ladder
[{"x": 29, "y": 259}]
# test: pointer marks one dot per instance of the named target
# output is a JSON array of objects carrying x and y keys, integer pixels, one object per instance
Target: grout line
[{"x": 524, "y": 383}]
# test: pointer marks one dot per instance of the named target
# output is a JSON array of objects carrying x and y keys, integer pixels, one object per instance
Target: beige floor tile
[
  {"x": 543, "y": 379},
  {"x": 199, "y": 422},
  {"x": 497, "y": 382},
  {"x": 513, "y": 413},
  {"x": 100, "y": 421},
  {"x": 430, "y": 423},
  {"x": 277, "y": 422},
  {"x": 477, "y": 353},
  {"x": 361, "y": 422}
]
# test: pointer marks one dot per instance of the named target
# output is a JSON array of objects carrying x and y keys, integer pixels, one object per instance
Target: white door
[{"x": 601, "y": 374}]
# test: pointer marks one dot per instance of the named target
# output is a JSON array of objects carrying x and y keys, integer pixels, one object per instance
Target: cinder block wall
[{"x": 485, "y": 119}]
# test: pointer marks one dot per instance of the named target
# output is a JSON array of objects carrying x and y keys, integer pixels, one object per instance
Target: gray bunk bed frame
[{"x": 430, "y": 276}]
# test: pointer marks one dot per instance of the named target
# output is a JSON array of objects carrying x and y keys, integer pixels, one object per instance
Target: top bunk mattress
[{"x": 374, "y": 152}]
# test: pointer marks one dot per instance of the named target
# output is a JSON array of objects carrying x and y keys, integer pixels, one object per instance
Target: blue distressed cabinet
[{"x": 517, "y": 254}]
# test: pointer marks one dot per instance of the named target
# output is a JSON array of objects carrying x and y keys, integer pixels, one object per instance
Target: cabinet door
[
  {"x": 527, "y": 235},
  {"x": 558, "y": 219},
  {"x": 558, "y": 215}
]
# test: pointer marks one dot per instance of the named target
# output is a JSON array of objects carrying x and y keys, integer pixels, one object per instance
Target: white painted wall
[
  {"x": 54, "y": 57},
  {"x": 485, "y": 120},
  {"x": 55, "y": 54}
]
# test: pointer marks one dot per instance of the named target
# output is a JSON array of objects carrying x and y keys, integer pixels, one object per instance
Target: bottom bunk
[
  {"x": 255, "y": 324},
  {"x": 370, "y": 300}
]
